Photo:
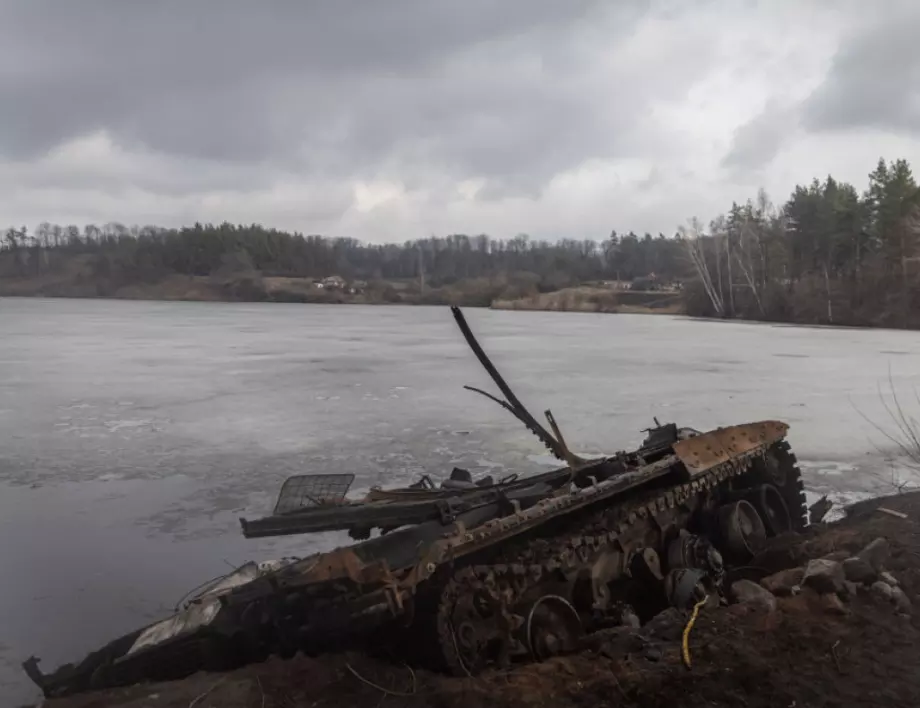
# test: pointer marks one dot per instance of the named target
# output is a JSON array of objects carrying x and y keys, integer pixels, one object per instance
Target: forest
[{"x": 829, "y": 254}]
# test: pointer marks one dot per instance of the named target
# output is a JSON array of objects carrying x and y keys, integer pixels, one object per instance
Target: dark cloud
[
  {"x": 874, "y": 81},
  {"x": 757, "y": 142},
  {"x": 335, "y": 89},
  {"x": 390, "y": 119}
]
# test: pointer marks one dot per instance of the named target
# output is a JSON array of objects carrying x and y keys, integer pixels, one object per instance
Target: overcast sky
[{"x": 396, "y": 119}]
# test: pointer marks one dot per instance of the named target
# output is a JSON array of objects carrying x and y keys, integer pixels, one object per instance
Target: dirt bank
[
  {"x": 597, "y": 298},
  {"x": 808, "y": 653}
]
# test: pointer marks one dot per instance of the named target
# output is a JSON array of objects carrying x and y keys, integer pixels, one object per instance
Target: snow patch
[
  {"x": 827, "y": 468},
  {"x": 841, "y": 500},
  {"x": 116, "y": 425}
]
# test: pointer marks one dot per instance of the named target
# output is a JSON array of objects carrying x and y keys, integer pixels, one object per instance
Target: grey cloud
[
  {"x": 874, "y": 81},
  {"x": 155, "y": 174},
  {"x": 757, "y": 142},
  {"x": 276, "y": 110},
  {"x": 331, "y": 89}
]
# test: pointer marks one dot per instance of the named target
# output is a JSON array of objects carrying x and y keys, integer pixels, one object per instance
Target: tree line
[
  {"x": 829, "y": 254},
  {"x": 149, "y": 253}
]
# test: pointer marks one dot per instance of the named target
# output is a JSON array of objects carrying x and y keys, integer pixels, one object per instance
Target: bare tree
[
  {"x": 694, "y": 242},
  {"x": 749, "y": 247},
  {"x": 904, "y": 434}
]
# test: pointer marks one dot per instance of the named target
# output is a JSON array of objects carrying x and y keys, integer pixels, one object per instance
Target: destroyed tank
[{"x": 479, "y": 574}]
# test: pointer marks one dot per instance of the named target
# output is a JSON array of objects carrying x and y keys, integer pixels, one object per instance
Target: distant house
[
  {"x": 646, "y": 283},
  {"x": 334, "y": 282}
]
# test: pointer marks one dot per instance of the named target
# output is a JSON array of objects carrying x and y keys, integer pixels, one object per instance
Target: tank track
[
  {"x": 788, "y": 479},
  {"x": 539, "y": 561}
]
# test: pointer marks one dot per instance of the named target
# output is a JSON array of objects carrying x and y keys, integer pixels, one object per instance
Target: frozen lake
[{"x": 133, "y": 435}]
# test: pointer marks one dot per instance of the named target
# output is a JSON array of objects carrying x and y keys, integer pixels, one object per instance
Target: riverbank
[
  {"x": 253, "y": 287},
  {"x": 498, "y": 292},
  {"x": 808, "y": 647},
  {"x": 597, "y": 298},
  {"x": 246, "y": 287}
]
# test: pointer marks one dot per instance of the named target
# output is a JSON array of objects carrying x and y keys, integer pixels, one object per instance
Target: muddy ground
[{"x": 803, "y": 655}]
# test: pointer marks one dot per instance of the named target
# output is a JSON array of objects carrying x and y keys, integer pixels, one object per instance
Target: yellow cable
[{"x": 685, "y": 648}]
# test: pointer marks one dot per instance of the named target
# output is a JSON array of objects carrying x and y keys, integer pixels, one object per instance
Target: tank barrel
[{"x": 511, "y": 403}]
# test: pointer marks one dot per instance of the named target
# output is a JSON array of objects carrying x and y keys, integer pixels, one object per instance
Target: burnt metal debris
[{"x": 479, "y": 574}]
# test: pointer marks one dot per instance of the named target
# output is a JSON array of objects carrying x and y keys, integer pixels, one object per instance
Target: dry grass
[
  {"x": 903, "y": 432},
  {"x": 587, "y": 298}
]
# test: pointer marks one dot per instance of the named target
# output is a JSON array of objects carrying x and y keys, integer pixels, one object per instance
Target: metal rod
[{"x": 516, "y": 407}]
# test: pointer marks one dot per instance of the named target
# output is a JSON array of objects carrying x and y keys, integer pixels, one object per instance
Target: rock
[
  {"x": 613, "y": 642},
  {"x": 876, "y": 553},
  {"x": 887, "y": 577},
  {"x": 667, "y": 625},
  {"x": 747, "y": 592},
  {"x": 783, "y": 582},
  {"x": 882, "y": 590},
  {"x": 850, "y": 588},
  {"x": 831, "y": 604},
  {"x": 824, "y": 576},
  {"x": 782, "y": 551},
  {"x": 859, "y": 570},
  {"x": 837, "y": 556},
  {"x": 901, "y": 602},
  {"x": 818, "y": 510},
  {"x": 653, "y": 652},
  {"x": 630, "y": 619}
]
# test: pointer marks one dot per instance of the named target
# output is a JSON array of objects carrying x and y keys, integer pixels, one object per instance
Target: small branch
[
  {"x": 389, "y": 692},
  {"x": 203, "y": 695},
  {"x": 836, "y": 658},
  {"x": 616, "y": 682},
  {"x": 891, "y": 512},
  {"x": 905, "y": 436}
]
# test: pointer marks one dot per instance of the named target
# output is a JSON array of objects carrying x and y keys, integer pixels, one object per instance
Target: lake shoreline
[
  {"x": 585, "y": 298},
  {"x": 498, "y": 305}
]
